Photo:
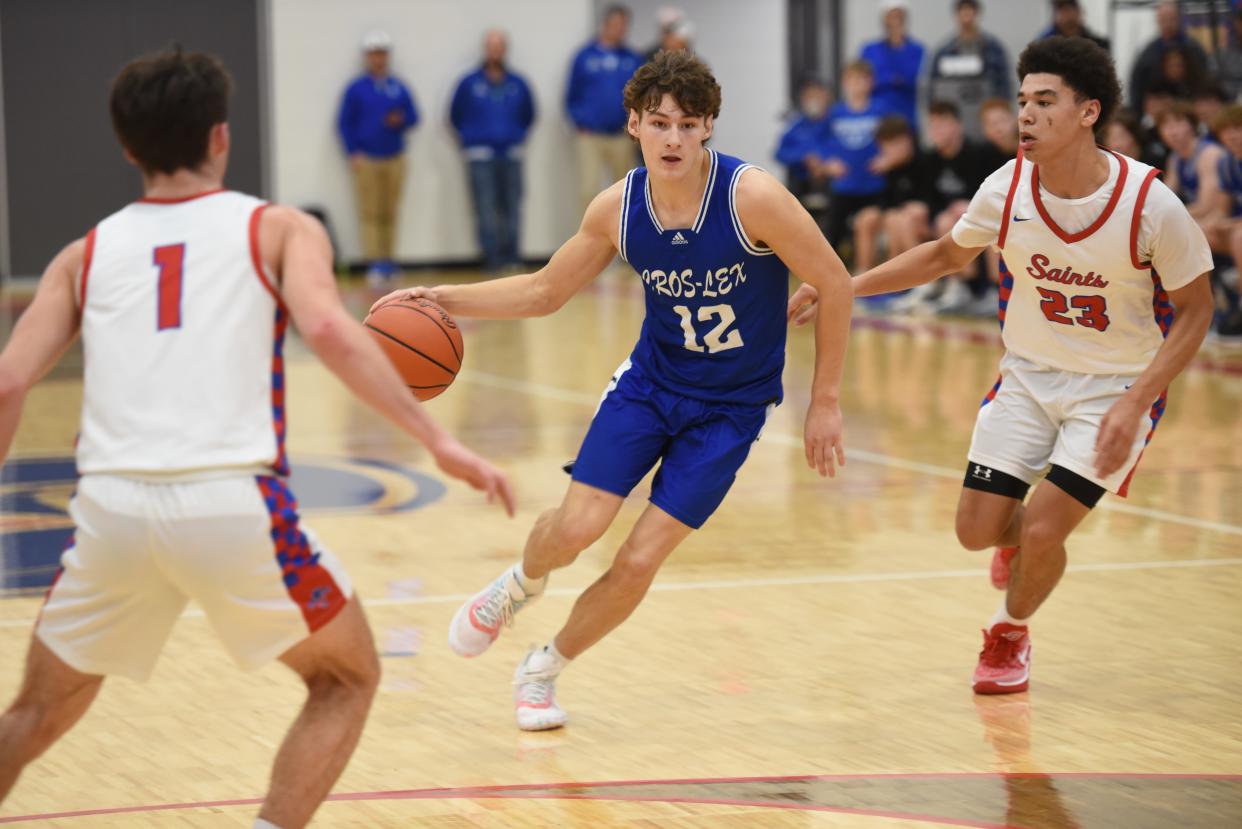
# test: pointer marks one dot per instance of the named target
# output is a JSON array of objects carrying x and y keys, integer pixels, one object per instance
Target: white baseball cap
[
  {"x": 376, "y": 40},
  {"x": 891, "y": 5}
]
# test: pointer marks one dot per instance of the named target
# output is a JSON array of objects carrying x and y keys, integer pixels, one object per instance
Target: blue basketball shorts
[{"x": 700, "y": 445}]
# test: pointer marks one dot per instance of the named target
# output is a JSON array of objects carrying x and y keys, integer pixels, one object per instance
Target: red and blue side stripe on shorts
[{"x": 310, "y": 585}]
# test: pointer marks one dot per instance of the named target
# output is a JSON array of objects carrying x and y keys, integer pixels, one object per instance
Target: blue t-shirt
[
  {"x": 363, "y": 119},
  {"x": 896, "y": 76},
  {"x": 851, "y": 138},
  {"x": 1229, "y": 171},
  {"x": 1188, "y": 171},
  {"x": 715, "y": 323}
]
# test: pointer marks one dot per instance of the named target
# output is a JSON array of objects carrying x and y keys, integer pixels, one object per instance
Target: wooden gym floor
[{"x": 803, "y": 661}]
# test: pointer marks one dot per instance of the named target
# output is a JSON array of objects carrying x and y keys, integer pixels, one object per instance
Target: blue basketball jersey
[
  {"x": 715, "y": 324},
  {"x": 1229, "y": 171}
]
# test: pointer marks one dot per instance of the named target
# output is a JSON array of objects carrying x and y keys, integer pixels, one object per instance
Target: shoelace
[
  {"x": 536, "y": 692},
  {"x": 999, "y": 651},
  {"x": 497, "y": 608}
]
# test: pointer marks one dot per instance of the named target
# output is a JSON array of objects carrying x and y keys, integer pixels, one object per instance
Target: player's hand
[
  {"x": 1118, "y": 430},
  {"x": 835, "y": 168},
  {"x": 803, "y": 305},
  {"x": 355, "y": 161},
  {"x": 459, "y": 462},
  {"x": 406, "y": 294},
  {"x": 825, "y": 438}
]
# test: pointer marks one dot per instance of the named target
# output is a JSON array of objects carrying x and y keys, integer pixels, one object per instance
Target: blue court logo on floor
[{"x": 35, "y": 492}]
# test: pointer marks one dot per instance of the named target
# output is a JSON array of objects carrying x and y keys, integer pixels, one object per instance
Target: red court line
[{"x": 562, "y": 791}]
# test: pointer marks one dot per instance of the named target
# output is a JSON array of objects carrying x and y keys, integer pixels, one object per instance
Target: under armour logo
[
  {"x": 982, "y": 473},
  {"x": 680, "y": 240}
]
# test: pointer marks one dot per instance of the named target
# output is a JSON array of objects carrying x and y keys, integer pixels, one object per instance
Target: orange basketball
[{"x": 423, "y": 342}]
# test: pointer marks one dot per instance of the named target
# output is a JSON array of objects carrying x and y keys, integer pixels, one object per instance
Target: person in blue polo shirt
[
  {"x": 593, "y": 98},
  {"x": 492, "y": 111},
  {"x": 376, "y": 112}
]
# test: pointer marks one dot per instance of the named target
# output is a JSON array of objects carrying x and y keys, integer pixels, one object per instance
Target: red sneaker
[
  {"x": 1005, "y": 661},
  {"x": 1000, "y": 566}
]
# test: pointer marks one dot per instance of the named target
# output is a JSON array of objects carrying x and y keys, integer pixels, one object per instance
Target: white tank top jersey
[
  {"x": 182, "y": 332},
  {"x": 1089, "y": 276}
]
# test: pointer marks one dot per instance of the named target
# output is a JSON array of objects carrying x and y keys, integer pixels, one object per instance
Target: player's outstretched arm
[
  {"x": 925, "y": 263},
  {"x": 1195, "y": 307},
  {"x": 538, "y": 294},
  {"x": 297, "y": 248},
  {"x": 772, "y": 216},
  {"x": 41, "y": 335}
]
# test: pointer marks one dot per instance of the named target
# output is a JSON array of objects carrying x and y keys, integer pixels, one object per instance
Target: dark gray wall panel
[{"x": 64, "y": 167}]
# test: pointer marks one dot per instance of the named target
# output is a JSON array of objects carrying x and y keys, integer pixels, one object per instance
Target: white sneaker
[
  {"x": 477, "y": 623},
  {"x": 534, "y": 697}
]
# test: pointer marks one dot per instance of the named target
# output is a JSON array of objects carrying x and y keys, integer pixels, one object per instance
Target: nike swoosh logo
[{"x": 1017, "y": 219}]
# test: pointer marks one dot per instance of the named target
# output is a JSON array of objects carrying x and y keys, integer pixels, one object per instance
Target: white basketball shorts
[
  {"x": 1038, "y": 416},
  {"x": 141, "y": 549}
]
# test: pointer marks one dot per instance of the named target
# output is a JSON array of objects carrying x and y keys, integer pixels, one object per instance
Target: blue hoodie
[
  {"x": 802, "y": 138},
  {"x": 596, "y": 81},
  {"x": 366, "y": 104},
  {"x": 492, "y": 118}
]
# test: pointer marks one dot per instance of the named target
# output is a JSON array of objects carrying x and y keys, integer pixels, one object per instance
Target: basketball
[{"x": 423, "y": 342}]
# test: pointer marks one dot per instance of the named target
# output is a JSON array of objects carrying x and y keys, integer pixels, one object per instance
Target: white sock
[
  {"x": 547, "y": 661},
  {"x": 1002, "y": 615},
  {"x": 529, "y": 586},
  {"x": 260, "y": 823}
]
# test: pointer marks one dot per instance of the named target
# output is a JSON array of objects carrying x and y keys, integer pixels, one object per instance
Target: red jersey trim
[
  {"x": 180, "y": 199},
  {"x": 1137, "y": 219},
  {"x": 256, "y": 255},
  {"x": 1070, "y": 238},
  {"x": 87, "y": 255},
  {"x": 1013, "y": 189}
]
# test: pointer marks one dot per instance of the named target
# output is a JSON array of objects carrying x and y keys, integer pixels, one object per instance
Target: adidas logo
[{"x": 680, "y": 240}]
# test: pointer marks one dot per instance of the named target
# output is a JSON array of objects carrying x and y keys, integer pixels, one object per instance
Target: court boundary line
[
  {"x": 561, "y": 791},
  {"x": 500, "y": 381},
  {"x": 755, "y": 583}
]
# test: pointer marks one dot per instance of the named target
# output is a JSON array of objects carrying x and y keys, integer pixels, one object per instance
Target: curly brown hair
[{"x": 677, "y": 73}]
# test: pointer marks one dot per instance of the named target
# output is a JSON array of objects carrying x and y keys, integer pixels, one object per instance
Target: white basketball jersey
[
  {"x": 1081, "y": 302},
  {"x": 182, "y": 333}
]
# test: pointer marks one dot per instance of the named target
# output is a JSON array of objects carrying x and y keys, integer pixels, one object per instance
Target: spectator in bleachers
[
  {"x": 1179, "y": 72},
  {"x": 1124, "y": 135},
  {"x": 1067, "y": 22},
  {"x": 1171, "y": 33},
  {"x": 1227, "y": 63},
  {"x": 896, "y": 61},
  {"x": 492, "y": 111},
  {"x": 593, "y": 98},
  {"x": 953, "y": 171},
  {"x": 970, "y": 67},
  {"x": 802, "y": 145},
  {"x": 851, "y": 146},
  {"x": 376, "y": 111},
  {"x": 1193, "y": 160},
  {"x": 1224, "y": 233},
  {"x": 1156, "y": 102},
  {"x": 1208, "y": 102},
  {"x": 905, "y": 210},
  {"x": 1000, "y": 128}
]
